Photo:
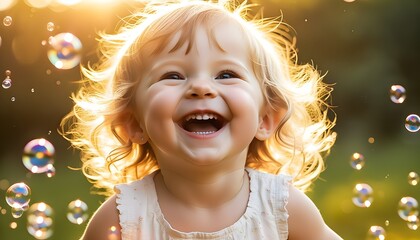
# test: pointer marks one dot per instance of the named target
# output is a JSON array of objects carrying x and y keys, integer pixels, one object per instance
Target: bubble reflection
[
  {"x": 362, "y": 195},
  {"x": 64, "y": 52},
  {"x": 376, "y": 233},
  {"x": 412, "y": 123},
  {"x": 77, "y": 212},
  {"x": 18, "y": 195},
  {"x": 397, "y": 93},
  {"x": 408, "y": 208},
  {"x": 37, "y": 155}
]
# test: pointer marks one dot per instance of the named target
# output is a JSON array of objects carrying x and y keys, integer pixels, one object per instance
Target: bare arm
[
  {"x": 99, "y": 226},
  {"x": 305, "y": 220}
]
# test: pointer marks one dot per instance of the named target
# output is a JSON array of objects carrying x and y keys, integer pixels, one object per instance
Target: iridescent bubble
[
  {"x": 113, "y": 233},
  {"x": 407, "y": 208},
  {"x": 357, "y": 161},
  {"x": 18, "y": 195},
  {"x": 7, "y": 83},
  {"x": 39, "y": 220},
  {"x": 413, "y": 178},
  {"x": 376, "y": 233},
  {"x": 64, "y": 52},
  {"x": 50, "y": 26},
  {"x": 362, "y": 195},
  {"x": 17, "y": 212},
  {"x": 37, "y": 155},
  {"x": 7, "y": 21},
  {"x": 51, "y": 171},
  {"x": 412, "y": 123},
  {"x": 77, "y": 212},
  {"x": 397, "y": 93}
]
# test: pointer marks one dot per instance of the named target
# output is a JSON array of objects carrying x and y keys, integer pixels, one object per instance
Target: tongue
[{"x": 200, "y": 126}]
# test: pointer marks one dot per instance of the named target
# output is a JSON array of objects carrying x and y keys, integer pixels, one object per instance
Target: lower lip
[{"x": 203, "y": 136}]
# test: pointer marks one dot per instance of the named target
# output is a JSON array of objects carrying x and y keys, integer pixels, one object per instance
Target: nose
[{"x": 201, "y": 88}]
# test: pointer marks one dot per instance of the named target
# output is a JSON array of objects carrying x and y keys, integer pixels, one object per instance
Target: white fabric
[{"x": 264, "y": 218}]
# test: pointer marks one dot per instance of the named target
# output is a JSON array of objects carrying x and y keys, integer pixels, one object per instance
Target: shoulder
[
  {"x": 303, "y": 214},
  {"x": 105, "y": 218}
]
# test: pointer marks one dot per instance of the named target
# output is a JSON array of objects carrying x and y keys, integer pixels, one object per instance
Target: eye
[
  {"x": 226, "y": 74},
  {"x": 172, "y": 76}
]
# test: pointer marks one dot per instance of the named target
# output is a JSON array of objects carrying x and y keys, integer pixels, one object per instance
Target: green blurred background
[{"x": 364, "y": 46}]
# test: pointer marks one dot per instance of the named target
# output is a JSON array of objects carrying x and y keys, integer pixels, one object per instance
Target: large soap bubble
[
  {"x": 18, "y": 195},
  {"x": 38, "y": 155},
  {"x": 64, "y": 52}
]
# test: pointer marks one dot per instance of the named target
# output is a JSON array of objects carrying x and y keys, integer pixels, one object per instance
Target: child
[{"x": 201, "y": 120}]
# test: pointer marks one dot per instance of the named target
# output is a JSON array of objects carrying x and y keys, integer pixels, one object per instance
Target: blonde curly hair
[{"x": 96, "y": 124}]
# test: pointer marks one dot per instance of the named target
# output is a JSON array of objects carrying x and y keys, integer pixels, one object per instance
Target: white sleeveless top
[{"x": 265, "y": 216}]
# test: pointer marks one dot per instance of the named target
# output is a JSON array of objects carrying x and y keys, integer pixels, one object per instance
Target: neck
[{"x": 208, "y": 190}]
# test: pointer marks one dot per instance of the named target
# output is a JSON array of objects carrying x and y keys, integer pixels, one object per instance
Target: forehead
[{"x": 215, "y": 33}]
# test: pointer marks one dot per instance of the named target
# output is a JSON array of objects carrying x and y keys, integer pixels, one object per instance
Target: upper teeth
[{"x": 199, "y": 116}]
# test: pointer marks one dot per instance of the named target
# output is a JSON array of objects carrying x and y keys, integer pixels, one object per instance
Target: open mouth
[{"x": 202, "y": 123}]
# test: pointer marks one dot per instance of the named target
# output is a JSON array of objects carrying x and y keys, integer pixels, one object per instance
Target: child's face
[{"x": 202, "y": 107}]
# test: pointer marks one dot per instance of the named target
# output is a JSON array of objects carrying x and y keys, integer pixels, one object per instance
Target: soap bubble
[
  {"x": 407, "y": 207},
  {"x": 50, "y": 26},
  {"x": 8, "y": 73},
  {"x": 362, "y": 195},
  {"x": 413, "y": 222},
  {"x": 77, "y": 212},
  {"x": 357, "y": 161},
  {"x": 376, "y": 233},
  {"x": 12, "y": 99},
  {"x": 37, "y": 155},
  {"x": 7, "y": 21},
  {"x": 18, "y": 195},
  {"x": 413, "y": 178},
  {"x": 64, "y": 52},
  {"x": 7, "y": 83},
  {"x": 412, "y": 123},
  {"x": 39, "y": 220},
  {"x": 397, "y": 93},
  {"x": 17, "y": 212}
]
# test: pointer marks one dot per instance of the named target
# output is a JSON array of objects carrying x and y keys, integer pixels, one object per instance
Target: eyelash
[{"x": 180, "y": 77}]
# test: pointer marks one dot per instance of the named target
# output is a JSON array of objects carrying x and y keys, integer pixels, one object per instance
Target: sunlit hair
[{"x": 98, "y": 122}]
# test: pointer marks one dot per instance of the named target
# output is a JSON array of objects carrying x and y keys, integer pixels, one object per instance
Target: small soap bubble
[
  {"x": 77, "y": 212},
  {"x": 371, "y": 140},
  {"x": 44, "y": 42},
  {"x": 39, "y": 220},
  {"x": 48, "y": 72},
  {"x": 376, "y": 233},
  {"x": 64, "y": 52},
  {"x": 12, "y": 99},
  {"x": 50, "y": 26},
  {"x": 387, "y": 223},
  {"x": 51, "y": 171},
  {"x": 8, "y": 73},
  {"x": 362, "y": 195},
  {"x": 7, "y": 83},
  {"x": 412, "y": 123},
  {"x": 32, "y": 90},
  {"x": 17, "y": 212},
  {"x": 18, "y": 195},
  {"x": 413, "y": 222},
  {"x": 37, "y": 155},
  {"x": 7, "y": 21},
  {"x": 413, "y": 178},
  {"x": 357, "y": 161},
  {"x": 3, "y": 211},
  {"x": 397, "y": 93},
  {"x": 113, "y": 233},
  {"x": 407, "y": 208}
]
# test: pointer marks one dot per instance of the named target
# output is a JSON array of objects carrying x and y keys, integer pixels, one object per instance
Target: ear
[
  {"x": 135, "y": 131},
  {"x": 268, "y": 122}
]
